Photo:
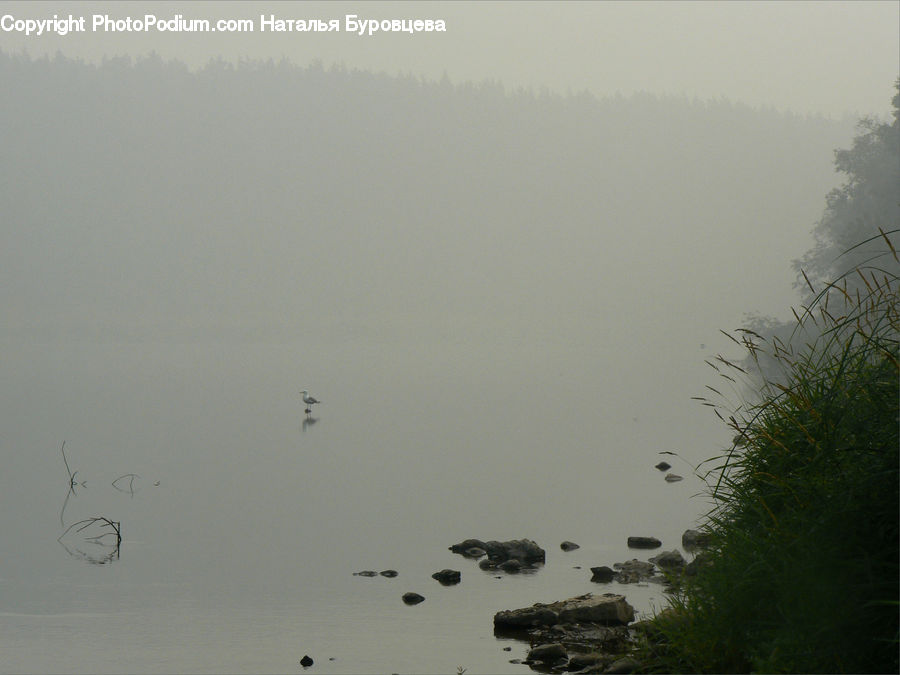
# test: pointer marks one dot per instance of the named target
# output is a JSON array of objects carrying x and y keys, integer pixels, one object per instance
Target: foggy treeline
[{"x": 145, "y": 201}]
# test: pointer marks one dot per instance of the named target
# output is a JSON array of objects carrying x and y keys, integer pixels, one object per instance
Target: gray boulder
[
  {"x": 644, "y": 542},
  {"x": 608, "y": 609},
  {"x": 673, "y": 478},
  {"x": 669, "y": 560},
  {"x": 389, "y": 573}
]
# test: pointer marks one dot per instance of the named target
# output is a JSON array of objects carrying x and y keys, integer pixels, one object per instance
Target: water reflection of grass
[{"x": 803, "y": 573}]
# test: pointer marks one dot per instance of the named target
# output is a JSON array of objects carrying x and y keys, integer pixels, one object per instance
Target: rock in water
[
  {"x": 447, "y": 577},
  {"x": 389, "y": 573},
  {"x": 644, "y": 542},
  {"x": 511, "y": 566},
  {"x": 412, "y": 598},
  {"x": 306, "y": 661},
  {"x": 633, "y": 571},
  {"x": 602, "y": 574},
  {"x": 608, "y": 609},
  {"x": 663, "y": 466},
  {"x": 524, "y": 550},
  {"x": 548, "y": 653},
  {"x": 673, "y": 478},
  {"x": 669, "y": 559},
  {"x": 569, "y": 546}
]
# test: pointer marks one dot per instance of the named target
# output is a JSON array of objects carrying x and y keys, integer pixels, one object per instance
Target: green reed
[{"x": 803, "y": 573}]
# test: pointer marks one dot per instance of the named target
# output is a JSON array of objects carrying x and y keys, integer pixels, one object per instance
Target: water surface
[{"x": 241, "y": 559}]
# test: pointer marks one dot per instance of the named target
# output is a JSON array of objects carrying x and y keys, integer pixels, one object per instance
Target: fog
[
  {"x": 831, "y": 58},
  {"x": 146, "y": 202},
  {"x": 502, "y": 295}
]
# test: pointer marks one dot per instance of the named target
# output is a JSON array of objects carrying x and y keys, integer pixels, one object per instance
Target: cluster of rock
[
  {"x": 582, "y": 634},
  {"x": 445, "y": 577},
  {"x": 634, "y": 570},
  {"x": 590, "y": 634},
  {"x": 585, "y": 634},
  {"x": 510, "y": 556}
]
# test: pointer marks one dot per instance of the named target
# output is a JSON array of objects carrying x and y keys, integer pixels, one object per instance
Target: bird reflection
[{"x": 308, "y": 421}]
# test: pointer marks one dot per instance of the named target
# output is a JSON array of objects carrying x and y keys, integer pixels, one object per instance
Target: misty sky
[{"x": 833, "y": 58}]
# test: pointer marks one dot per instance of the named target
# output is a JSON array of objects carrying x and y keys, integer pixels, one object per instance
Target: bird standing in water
[{"x": 308, "y": 400}]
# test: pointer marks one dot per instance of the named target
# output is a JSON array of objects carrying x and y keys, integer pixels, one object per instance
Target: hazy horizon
[{"x": 831, "y": 58}]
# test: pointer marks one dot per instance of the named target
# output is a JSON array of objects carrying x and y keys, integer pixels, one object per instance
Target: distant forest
[{"x": 130, "y": 188}]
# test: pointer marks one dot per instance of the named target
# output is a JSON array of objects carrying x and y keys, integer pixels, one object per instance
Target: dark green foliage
[
  {"x": 804, "y": 571},
  {"x": 803, "y": 574},
  {"x": 868, "y": 200}
]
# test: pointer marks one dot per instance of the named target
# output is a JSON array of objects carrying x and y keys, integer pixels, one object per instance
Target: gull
[{"x": 308, "y": 400}]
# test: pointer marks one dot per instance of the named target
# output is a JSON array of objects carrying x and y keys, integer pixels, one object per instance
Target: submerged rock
[
  {"x": 412, "y": 598},
  {"x": 673, "y": 478},
  {"x": 644, "y": 542},
  {"x": 447, "y": 577},
  {"x": 306, "y": 661},
  {"x": 389, "y": 573},
  {"x": 569, "y": 546},
  {"x": 366, "y": 573},
  {"x": 663, "y": 466}
]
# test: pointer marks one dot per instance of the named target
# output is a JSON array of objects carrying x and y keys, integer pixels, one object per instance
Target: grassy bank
[{"x": 803, "y": 573}]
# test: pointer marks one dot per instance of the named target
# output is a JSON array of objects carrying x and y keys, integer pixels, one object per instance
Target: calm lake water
[{"x": 241, "y": 558}]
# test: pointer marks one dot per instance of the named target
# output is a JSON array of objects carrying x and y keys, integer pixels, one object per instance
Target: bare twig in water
[
  {"x": 62, "y": 449},
  {"x": 72, "y": 474},
  {"x": 62, "y": 511},
  {"x": 130, "y": 488},
  {"x": 91, "y": 539}
]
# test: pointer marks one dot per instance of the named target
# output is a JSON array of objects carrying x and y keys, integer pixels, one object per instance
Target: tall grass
[{"x": 803, "y": 573}]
